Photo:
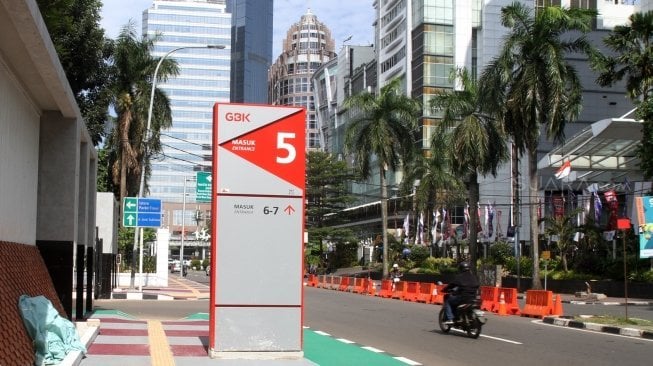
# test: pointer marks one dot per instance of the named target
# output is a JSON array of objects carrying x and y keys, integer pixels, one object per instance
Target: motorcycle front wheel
[
  {"x": 444, "y": 327},
  {"x": 474, "y": 328}
]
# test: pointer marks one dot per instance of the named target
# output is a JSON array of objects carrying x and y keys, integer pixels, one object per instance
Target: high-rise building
[
  {"x": 203, "y": 80},
  {"x": 251, "y": 49},
  {"x": 422, "y": 41},
  {"x": 307, "y": 46}
]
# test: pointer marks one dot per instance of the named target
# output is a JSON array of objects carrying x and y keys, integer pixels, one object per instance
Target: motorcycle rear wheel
[
  {"x": 474, "y": 329},
  {"x": 444, "y": 327}
]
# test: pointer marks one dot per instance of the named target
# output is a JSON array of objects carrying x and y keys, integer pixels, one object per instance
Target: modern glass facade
[
  {"x": 204, "y": 79},
  {"x": 251, "y": 49}
]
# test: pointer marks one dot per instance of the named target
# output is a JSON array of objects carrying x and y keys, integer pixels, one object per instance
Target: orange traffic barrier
[
  {"x": 345, "y": 282},
  {"x": 489, "y": 295},
  {"x": 370, "y": 287},
  {"x": 386, "y": 289},
  {"x": 321, "y": 281},
  {"x": 502, "y": 305},
  {"x": 557, "y": 306},
  {"x": 510, "y": 296},
  {"x": 425, "y": 292},
  {"x": 334, "y": 283},
  {"x": 312, "y": 280},
  {"x": 438, "y": 295},
  {"x": 399, "y": 291},
  {"x": 358, "y": 286},
  {"x": 539, "y": 303},
  {"x": 412, "y": 289}
]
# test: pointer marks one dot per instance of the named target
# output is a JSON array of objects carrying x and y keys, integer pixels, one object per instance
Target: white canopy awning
[{"x": 604, "y": 152}]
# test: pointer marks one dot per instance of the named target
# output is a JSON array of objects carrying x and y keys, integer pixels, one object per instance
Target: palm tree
[
  {"x": 383, "y": 132},
  {"x": 534, "y": 87},
  {"x": 564, "y": 228},
  {"x": 131, "y": 83},
  {"x": 633, "y": 56},
  {"x": 436, "y": 181},
  {"x": 476, "y": 142},
  {"x": 633, "y": 61}
]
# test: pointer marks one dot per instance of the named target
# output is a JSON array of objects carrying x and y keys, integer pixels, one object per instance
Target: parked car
[{"x": 175, "y": 266}]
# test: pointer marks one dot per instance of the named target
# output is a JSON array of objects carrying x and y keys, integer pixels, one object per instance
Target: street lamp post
[{"x": 147, "y": 138}]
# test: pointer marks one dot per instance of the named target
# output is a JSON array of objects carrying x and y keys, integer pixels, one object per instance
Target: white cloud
[{"x": 343, "y": 17}]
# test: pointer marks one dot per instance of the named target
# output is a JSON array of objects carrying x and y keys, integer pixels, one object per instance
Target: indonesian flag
[{"x": 564, "y": 170}]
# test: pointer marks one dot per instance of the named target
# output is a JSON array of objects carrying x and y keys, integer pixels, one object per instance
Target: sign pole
[
  {"x": 183, "y": 232},
  {"x": 140, "y": 263}
]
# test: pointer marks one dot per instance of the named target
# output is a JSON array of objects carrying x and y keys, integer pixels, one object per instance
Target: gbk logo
[{"x": 237, "y": 117}]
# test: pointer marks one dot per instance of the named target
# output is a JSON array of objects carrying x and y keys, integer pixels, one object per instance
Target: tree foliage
[
  {"x": 535, "y": 87},
  {"x": 132, "y": 70},
  {"x": 476, "y": 144},
  {"x": 382, "y": 131},
  {"x": 83, "y": 50},
  {"x": 326, "y": 193}
]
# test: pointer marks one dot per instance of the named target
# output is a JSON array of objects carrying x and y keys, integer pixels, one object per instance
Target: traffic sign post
[
  {"x": 141, "y": 212},
  {"x": 203, "y": 187},
  {"x": 259, "y": 190}
]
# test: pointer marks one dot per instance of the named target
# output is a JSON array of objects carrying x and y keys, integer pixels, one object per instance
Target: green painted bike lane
[
  {"x": 328, "y": 351},
  {"x": 321, "y": 349}
]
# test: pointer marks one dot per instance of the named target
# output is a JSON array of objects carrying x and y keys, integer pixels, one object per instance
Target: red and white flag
[{"x": 564, "y": 170}]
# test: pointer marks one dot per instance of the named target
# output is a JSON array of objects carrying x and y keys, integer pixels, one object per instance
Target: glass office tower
[
  {"x": 251, "y": 49},
  {"x": 203, "y": 80}
]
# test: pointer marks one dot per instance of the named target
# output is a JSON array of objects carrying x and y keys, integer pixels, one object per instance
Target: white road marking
[
  {"x": 592, "y": 331},
  {"x": 491, "y": 337},
  {"x": 407, "y": 361},
  {"x": 345, "y": 340},
  {"x": 375, "y": 350},
  {"x": 322, "y": 333}
]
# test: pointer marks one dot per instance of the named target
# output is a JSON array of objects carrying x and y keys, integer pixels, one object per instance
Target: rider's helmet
[
  {"x": 463, "y": 266},
  {"x": 395, "y": 265}
]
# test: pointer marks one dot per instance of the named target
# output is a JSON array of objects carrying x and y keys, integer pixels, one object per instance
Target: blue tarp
[{"x": 53, "y": 336}]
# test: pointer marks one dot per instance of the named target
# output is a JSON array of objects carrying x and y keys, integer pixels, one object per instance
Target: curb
[
  {"x": 140, "y": 296},
  {"x": 607, "y": 303},
  {"x": 628, "y": 332}
]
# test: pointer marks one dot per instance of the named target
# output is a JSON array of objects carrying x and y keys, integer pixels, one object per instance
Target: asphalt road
[{"x": 410, "y": 330}]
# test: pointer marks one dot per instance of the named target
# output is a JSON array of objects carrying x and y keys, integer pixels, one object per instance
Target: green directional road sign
[
  {"x": 203, "y": 190},
  {"x": 142, "y": 212}
]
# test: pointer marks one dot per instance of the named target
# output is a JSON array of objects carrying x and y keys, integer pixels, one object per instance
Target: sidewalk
[
  {"x": 123, "y": 340},
  {"x": 178, "y": 289}
]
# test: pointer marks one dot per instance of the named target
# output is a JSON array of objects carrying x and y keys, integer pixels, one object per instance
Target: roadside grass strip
[
  {"x": 109, "y": 312},
  {"x": 325, "y": 350},
  {"x": 198, "y": 316}
]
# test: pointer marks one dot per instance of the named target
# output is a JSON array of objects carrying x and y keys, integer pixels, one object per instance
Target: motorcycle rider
[
  {"x": 395, "y": 275},
  {"x": 461, "y": 290}
]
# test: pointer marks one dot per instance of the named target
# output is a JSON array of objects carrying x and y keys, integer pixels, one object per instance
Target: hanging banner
[{"x": 645, "y": 221}]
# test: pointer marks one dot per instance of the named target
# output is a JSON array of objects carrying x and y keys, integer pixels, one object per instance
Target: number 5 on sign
[{"x": 282, "y": 144}]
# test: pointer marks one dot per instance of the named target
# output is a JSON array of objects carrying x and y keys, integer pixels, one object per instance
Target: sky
[{"x": 343, "y": 17}]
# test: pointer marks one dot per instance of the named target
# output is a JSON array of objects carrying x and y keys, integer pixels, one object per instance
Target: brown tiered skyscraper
[{"x": 308, "y": 45}]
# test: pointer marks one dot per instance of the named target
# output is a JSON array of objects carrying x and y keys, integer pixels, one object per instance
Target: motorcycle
[{"x": 467, "y": 317}]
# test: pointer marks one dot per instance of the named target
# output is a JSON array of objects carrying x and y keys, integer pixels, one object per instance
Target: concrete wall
[
  {"x": 107, "y": 211},
  {"x": 48, "y": 176}
]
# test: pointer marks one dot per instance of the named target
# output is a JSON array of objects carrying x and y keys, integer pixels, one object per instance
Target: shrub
[
  {"x": 205, "y": 263},
  {"x": 501, "y": 253},
  {"x": 196, "y": 263},
  {"x": 437, "y": 265},
  {"x": 419, "y": 254}
]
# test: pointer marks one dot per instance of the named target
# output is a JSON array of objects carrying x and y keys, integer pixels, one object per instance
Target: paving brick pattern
[{"x": 23, "y": 273}]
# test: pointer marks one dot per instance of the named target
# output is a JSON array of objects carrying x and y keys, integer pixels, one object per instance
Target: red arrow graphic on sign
[
  {"x": 268, "y": 149},
  {"x": 289, "y": 210}
]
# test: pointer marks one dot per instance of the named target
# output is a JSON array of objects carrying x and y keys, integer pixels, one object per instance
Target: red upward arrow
[{"x": 289, "y": 210}]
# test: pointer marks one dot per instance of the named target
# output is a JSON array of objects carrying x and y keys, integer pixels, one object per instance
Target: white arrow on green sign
[{"x": 203, "y": 187}]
